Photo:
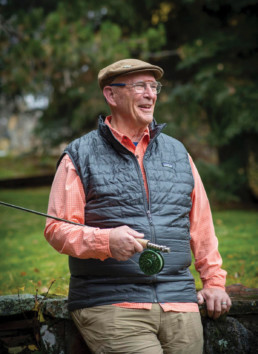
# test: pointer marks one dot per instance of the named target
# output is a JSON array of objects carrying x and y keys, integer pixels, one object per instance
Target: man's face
[{"x": 136, "y": 109}]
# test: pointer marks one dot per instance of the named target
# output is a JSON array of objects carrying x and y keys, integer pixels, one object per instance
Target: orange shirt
[{"x": 67, "y": 200}]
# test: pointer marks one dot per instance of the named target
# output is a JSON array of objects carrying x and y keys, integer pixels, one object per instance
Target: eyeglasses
[{"x": 141, "y": 86}]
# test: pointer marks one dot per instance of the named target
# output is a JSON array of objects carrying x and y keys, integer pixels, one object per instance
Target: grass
[
  {"x": 26, "y": 165},
  {"x": 28, "y": 262},
  {"x": 237, "y": 232}
]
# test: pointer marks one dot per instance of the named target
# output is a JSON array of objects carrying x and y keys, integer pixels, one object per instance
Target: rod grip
[{"x": 143, "y": 242}]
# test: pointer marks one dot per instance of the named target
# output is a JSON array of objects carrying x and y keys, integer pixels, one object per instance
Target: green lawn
[
  {"x": 27, "y": 165},
  {"x": 237, "y": 232},
  {"x": 28, "y": 262}
]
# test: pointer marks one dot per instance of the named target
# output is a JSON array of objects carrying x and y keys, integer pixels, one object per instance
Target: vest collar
[{"x": 105, "y": 131}]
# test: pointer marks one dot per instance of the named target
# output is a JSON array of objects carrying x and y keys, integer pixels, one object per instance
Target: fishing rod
[
  {"x": 39, "y": 213},
  {"x": 150, "y": 262}
]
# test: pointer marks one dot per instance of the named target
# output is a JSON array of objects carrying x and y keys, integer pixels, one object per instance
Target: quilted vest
[{"x": 115, "y": 196}]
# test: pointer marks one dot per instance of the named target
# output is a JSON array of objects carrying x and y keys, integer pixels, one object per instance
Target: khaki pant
[{"x": 111, "y": 329}]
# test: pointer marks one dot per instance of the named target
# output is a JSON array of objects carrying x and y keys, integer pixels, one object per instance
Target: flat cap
[{"x": 126, "y": 66}]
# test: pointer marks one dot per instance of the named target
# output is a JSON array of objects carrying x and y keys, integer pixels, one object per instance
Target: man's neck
[{"x": 135, "y": 134}]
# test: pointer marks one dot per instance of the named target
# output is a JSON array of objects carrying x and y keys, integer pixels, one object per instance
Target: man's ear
[{"x": 109, "y": 95}]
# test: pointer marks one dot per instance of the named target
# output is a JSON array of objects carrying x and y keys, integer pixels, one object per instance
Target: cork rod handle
[{"x": 143, "y": 242}]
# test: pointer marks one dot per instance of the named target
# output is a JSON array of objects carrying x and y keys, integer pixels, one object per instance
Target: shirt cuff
[
  {"x": 102, "y": 244},
  {"x": 213, "y": 284}
]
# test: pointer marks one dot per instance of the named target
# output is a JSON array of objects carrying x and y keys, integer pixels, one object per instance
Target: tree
[
  {"x": 213, "y": 87},
  {"x": 207, "y": 48},
  {"x": 56, "y": 49}
]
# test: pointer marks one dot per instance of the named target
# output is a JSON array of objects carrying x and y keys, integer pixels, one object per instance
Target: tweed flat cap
[{"x": 126, "y": 66}]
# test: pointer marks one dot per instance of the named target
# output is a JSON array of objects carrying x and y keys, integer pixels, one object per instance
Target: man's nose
[{"x": 148, "y": 91}]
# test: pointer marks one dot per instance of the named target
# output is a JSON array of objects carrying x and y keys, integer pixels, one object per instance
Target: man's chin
[
  {"x": 148, "y": 119},
  {"x": 146, "y": 116}
]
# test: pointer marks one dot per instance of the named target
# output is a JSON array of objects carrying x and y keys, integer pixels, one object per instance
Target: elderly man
[{"x": 125, "y": 181}]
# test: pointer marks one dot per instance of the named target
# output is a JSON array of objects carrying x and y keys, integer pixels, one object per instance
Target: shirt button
[{"x": 137, "y": 156}]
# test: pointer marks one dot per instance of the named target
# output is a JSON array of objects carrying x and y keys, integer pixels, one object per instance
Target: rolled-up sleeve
[
  {"x": 67, "y": 201},
  {"x": 204, "y": 242}
]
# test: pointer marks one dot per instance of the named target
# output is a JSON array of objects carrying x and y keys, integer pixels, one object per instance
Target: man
[{"x": 126, "y": 181}]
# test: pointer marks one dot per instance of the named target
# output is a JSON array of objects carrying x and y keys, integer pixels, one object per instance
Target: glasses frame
[{"x": 158, "y": 88}]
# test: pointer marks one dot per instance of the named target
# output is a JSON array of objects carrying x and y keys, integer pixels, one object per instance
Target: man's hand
[
  {"x": 123, "y": 242},
  {"x": 217, "y": 301}
]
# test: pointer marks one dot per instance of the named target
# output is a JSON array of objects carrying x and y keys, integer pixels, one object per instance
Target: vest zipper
[
  {"x": 152, "y": 229},
  {"x": 147, "y": 208},
  {"x": 150, "y": 217},
  {"x": 153, "y": 238},
  {"x": 146, "y": 203},
  {"x": 138, "y": 169}
]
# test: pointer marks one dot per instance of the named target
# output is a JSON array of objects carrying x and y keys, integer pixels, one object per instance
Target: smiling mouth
[{"x": 146, "y": 106}]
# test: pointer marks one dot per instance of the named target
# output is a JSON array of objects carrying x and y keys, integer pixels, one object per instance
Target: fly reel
[{"x": 151, "y": 262}]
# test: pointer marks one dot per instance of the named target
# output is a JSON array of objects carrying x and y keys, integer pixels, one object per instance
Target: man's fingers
[
  {"x": 200, "y": 298},
  {"x": 217, "y": 308},
  {"x": 212, "y": 304},
  {"x": 135, "y": 233},
  {"x": 226, "y": 304},
  {"x": 224, "y": 308},
  {"x": 217, "y": 301},
  {"x": 137, "y": 246},
  {"x": 123, "y": 242},
  {"x": 229, "y": 303},
  {"x": 210, "y": 308},
  {"x": 214, "y": 311}
]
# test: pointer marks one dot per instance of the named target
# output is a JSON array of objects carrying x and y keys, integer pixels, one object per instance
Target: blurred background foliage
[{"x": 208, "y": 49}]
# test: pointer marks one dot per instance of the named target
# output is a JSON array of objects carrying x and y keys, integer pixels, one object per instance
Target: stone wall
[
  {"x": 18, "y": 119},
  {"x": 30, "y": 324}
]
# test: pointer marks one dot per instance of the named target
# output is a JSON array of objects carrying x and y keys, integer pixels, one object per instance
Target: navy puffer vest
[{"x": 115, "y": 196}]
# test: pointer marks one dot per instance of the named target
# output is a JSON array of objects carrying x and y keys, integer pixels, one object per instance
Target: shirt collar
[{"x": 123, "y": 139}]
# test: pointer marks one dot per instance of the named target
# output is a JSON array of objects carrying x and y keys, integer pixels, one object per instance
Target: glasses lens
[
  {"x": 158, "y": 87},
  {"x": 139, "y": 87},
  {"x": 153, "y": 87}
]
